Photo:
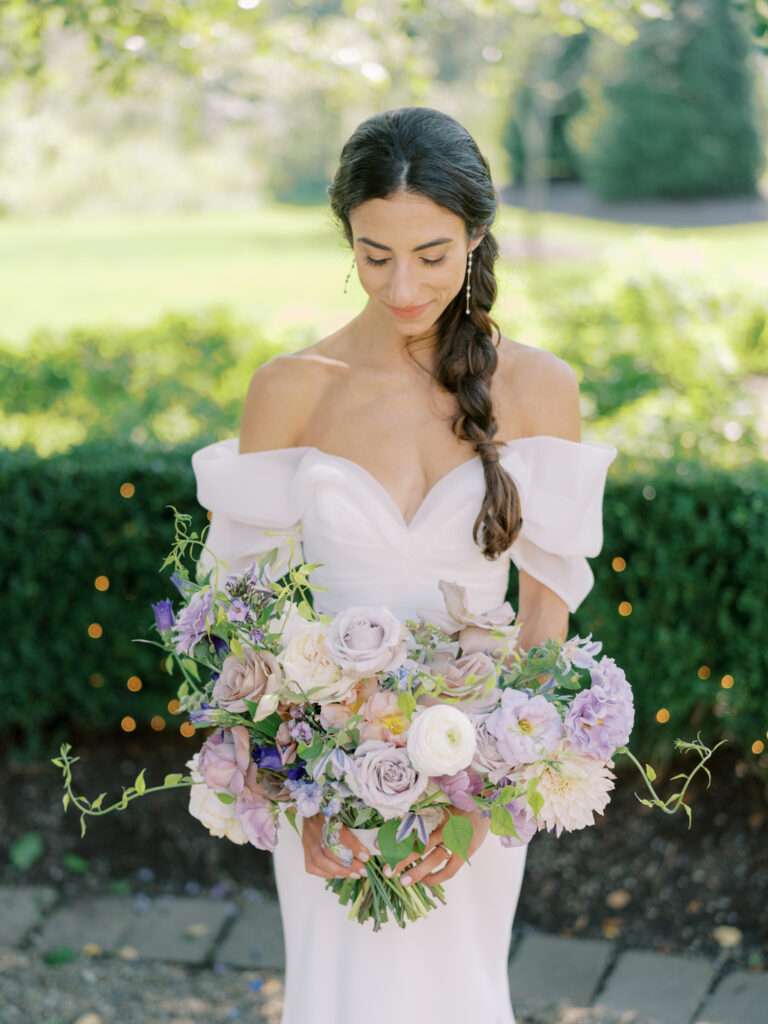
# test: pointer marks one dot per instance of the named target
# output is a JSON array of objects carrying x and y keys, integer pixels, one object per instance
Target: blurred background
[{"x": 164, "y": 229}]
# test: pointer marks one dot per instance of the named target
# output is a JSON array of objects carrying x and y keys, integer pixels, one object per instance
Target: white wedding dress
[{"x": 451, "y": 966}]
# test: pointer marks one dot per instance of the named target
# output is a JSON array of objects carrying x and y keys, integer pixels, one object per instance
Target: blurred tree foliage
[{"x": 678, "y": 113}]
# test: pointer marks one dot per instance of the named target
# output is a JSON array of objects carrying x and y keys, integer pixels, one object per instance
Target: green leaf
[
  {"x": 406, "y": 702},
  {"x": 457, "y": 835},
  {"x": 236, "y": 647},
  {"x": 172, "y": 779},
  {"x": 169, "y": 664},
  {"x": 191, "y": 667},
  {"x": 65, "y": 800},
  {"x": 392, "y": 851},
  {"x": 226, "y": 798},
  {"x": 290, "y": 814},
  {"x": 60, "y": 955},
  {"x": 650, "y": 772},
  {"x": 75, "y": 863},
  {"x": 502, "y": 822},
  {"x": 139, "y": 782},
  {"x": 26, "y": 850},
  {"x": 96, "y": 805},
  {"x": 535, "y": 799}
]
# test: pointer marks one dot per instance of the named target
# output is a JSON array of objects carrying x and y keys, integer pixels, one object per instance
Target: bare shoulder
[
  {"x": 542, "y": 387},
  {"x": 282, "y": 396}
]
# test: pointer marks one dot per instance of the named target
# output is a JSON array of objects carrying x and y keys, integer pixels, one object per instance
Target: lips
[{"x": 409, "y": 311}]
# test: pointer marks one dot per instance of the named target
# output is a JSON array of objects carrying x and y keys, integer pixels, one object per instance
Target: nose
[{"x": 404, "y": 287}]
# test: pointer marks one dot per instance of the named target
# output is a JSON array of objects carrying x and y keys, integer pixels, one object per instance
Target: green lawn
[{"x": 285, "y": 266}]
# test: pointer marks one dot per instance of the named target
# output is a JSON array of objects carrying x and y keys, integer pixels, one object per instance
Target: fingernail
[
  {"x": 362, "y": 874},
  {"x": 387, "y": 870},
  {"x": 406, "y": 879},
  {"x": 365, "y": 857}
]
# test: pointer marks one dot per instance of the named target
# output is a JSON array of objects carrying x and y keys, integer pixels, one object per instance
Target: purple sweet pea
[
  {"x": 204, "y": 715},
  {"x": 184, "y": 587},
  {"x": 238, "y": 610},
  {"x": 268, "y": 757},
  {"x": 600, "y": 718},
  {"x": 164, "y": 617},
  {"x": 460, "y": 788},
  {"x": 524, "y": 821},
  {"x": 526, "y": 728},
  {"x": 194, "y": 621},
  {"x": 307, "y": 794}
]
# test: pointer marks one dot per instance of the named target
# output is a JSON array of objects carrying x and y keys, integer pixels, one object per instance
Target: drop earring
[
  {"x": 346, "y": 282},
  {"x": 469, "y": 274}
]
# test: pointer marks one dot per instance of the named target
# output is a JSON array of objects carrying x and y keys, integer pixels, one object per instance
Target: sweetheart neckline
[{"x": 408, "y": 524}]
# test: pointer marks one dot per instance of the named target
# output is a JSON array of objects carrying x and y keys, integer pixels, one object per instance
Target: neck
[{"x": 380, "y": 339}]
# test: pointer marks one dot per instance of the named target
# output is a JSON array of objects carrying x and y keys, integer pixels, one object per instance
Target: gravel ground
[
  {"x": 638, "y": 876},
  {"x": 112, "y": 991}
]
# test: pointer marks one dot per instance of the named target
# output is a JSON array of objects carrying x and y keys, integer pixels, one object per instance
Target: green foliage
[
  {"x": 680, "y": 115},
  {"x": 557, "y": 97},
  {"x": 156, "y": 384},
  {"x": 661, "y": 362}
]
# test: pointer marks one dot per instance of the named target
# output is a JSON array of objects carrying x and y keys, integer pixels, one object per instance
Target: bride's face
[{"x": 411, "y": 257}]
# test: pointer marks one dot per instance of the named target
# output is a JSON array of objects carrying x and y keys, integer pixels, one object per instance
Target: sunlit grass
[{"x": 285, "y": 266}]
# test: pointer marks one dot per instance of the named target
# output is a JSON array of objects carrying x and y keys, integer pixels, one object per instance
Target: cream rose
[
  {"x": 219, "y": 818},
  {"x": 310, "y": 671},
  {"x": 441, "y": 740}
]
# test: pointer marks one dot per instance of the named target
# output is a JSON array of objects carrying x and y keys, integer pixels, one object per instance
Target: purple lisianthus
[
  {"x": 525, "y": 823},
  {"x": 307, "y": 795},
  {"x": 526, "y": 728},
  {"x": 164, "y": 617},
  {"x": 194, "y": 621},
  {"x": 600, "y": 718}
]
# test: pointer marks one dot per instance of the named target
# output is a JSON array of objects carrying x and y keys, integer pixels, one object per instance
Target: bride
[{"x": 414, "y": 444}]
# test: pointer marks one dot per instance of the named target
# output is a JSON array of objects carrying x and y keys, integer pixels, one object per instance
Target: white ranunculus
[
  {"x": 441, "y": 740},
  {"x": 219, "y": 818},
  {"x": 308, "y": 665}
]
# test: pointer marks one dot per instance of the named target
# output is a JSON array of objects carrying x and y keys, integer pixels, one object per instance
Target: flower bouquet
[{"x": 390, "y": 728}]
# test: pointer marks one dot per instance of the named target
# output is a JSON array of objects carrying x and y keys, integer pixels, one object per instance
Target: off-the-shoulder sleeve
[
  {"x": 561, "y": 485},
  {"x": 256, "y": 503}
]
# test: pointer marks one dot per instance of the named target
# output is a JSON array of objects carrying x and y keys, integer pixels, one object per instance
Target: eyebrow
[{"x": 416, "y": 248}]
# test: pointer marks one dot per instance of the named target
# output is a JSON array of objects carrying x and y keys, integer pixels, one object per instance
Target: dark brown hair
[{"x": 422, "y": 150}]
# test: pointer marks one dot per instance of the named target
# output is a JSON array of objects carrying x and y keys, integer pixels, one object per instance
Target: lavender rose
[
  {"x": 487, "y": 760},
  {"x": 224, "y": 759},
  {"x": 256, "y": 675},
  {"x": 256, "y": 814},
  {"x": 383, "y": 777},
  {"x": 366, "y": 639}
]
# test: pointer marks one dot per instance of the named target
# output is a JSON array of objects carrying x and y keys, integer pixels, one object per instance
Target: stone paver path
[{"x": 102, "y": 937}]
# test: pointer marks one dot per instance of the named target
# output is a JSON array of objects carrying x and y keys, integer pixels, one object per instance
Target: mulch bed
[{"x": 639, "y": 876}]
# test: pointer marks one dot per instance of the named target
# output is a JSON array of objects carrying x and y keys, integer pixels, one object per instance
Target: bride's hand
[
  {"x": 318, "y": 859},
  {"x": 432, "y": 858}
]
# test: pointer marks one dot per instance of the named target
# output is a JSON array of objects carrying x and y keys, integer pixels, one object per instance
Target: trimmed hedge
[{"x": 694, "y": 541}]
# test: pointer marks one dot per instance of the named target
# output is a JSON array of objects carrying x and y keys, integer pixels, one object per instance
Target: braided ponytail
[
  {"x": 426, "y": 151},
  {"x": 466, "y": 362}
]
